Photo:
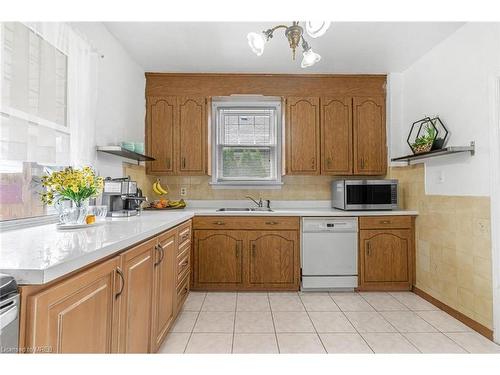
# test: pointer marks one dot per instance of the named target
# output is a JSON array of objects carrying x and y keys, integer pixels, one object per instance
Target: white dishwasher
[{"x": 329, "y": 253}]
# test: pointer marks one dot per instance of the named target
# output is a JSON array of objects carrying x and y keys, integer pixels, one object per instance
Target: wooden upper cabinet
[
  {"x": 302, "y": 136},
  {"x": 164, "y": 284},
  {"x": 77, "y": 315},
  {"x": 192, "y": 138},
  {"x": 273, "y": 257},
  {"x": 136, "y": 297},
  {"x": 336, "y": 136},
  {"x": 370, "y": 152},
  {"x": 161, "y": 118},
  {"x": 218, "y": 257}
]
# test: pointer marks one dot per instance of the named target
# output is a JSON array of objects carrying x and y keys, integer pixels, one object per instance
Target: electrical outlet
[{"x": 183, "y": 191}]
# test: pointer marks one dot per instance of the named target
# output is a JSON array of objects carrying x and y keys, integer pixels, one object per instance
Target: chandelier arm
[
  {"x": 269, "y": 32},
  {"x": 305, "y": 45}
]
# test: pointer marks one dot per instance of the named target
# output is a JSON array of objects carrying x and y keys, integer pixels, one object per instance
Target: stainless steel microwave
[{"x": 354, "y": 195}]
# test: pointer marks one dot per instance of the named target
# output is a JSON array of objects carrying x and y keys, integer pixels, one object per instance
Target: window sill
[{"x": 246, "y": 186}]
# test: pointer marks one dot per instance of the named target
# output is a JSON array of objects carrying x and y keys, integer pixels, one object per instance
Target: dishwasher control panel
[{"x": 347, "y": 224}]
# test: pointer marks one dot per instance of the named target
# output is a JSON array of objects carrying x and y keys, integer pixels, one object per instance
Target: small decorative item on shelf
[
  {"x": 422, "y": 135},
  {"x": 441, "y": 139},
  {"x": 69, "y": 191}
]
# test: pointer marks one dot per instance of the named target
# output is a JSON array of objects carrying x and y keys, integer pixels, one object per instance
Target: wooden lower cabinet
[
  {"x": 386, "y": 255},
  {"x": 256, "y": 259},
  {"x": 273, "y": 258},
  {"x": 136, "y": 298},
  {"x": 163, "y": 288},
  {"x": 218, "y": 258},
  {"x": 125, "y": 304},
  {"x": 77, "y": 315}
]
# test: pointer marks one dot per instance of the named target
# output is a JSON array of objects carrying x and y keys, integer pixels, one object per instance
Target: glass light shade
[
  {"x": 256, "y": 41},
  {"x": 317, "y": 28},
  {"x": 309, "y": 58}
]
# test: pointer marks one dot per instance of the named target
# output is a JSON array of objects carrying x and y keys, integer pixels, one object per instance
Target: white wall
[
  {"x": 121, "y": 103},
  {"x": 453, "y": 81}
]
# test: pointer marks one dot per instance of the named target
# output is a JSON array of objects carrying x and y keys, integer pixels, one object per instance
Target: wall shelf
[
  {"x": 124, "y": 153},
  {"x": 431, "y": 154}
]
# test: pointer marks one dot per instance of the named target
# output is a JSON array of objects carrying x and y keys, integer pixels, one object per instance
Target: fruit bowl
[{"x": 165, "y": 204}]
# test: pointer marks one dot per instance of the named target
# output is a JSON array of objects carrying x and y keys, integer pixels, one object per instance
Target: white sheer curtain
[
  {"x": 81, "y": 87},
  {"x": 48, "y": 103}
]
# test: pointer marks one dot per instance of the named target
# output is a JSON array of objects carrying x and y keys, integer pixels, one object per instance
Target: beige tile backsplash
[
  {"x": 453, "y": 245},
  {"x": 453, "y": 260}
]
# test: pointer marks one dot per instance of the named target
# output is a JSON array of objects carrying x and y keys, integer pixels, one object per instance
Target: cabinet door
[
  {"x": 336, "y": 136},
  {"x": 385, "y": 257},
  {"x": 218, "y": 258},
  {"x": 164, "y": 285},
  {"x": 77, "y": 315},
  {"x": 192, "y": 135},
  {"x": 135, "y": 309},
  {"x": 302, "y": 136},
  {"x": 160, "y": 122},
  {"x": 273, "y": 259},
  {"x": 370, "y": 154}
]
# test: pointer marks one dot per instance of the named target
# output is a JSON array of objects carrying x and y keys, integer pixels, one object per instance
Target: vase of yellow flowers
[{"x": 73, "y": 186}]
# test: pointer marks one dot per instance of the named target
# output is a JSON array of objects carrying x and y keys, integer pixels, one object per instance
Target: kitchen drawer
[
  {"x": 385, "y": 222},
  {"x": 182, "y": 248},
  {"x": 184, "y": 231},
  {"x": 246, "y": 222},
  {"x": 182, "y": 292},
  {"x": 183, "y": 264}
]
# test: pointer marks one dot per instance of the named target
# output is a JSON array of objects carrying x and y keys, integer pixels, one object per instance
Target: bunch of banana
[
  {"x": 158, "y": 189},
  {"x": 177, "y": 204}
]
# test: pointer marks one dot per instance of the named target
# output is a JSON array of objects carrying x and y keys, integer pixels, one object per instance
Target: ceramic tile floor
[{"x": 399, "y": 322}]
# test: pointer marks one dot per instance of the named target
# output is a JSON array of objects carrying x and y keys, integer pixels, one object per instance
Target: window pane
[
  {"x": 246, "y": 163},
  {"x": 246, "y": 126}
]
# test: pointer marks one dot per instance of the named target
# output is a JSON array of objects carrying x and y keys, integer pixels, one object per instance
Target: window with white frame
[
  {"x": 246, "y": 141},
  {"x": 34, "y": 132}
]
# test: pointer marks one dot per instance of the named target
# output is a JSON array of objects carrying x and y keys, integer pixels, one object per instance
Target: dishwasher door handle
[{"x": 7, "y": 317}]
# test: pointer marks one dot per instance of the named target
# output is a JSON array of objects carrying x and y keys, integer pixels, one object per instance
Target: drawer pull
[
  {"x": 185, "y": 263},
  {"x": 385, "y": 221},
  {"x": 184, "y": 291},
  {"x": 272, "y": 222},
  {"x": 184, "y": 237},
  {"x": 219, "y": 223}
]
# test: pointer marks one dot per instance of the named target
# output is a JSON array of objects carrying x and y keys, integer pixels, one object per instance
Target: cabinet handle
[
  {"x": 272, "y": 222},
  {"x": 168, "y": 163},
  {"x": 120, "y": 273},
  {"x": 162, "y": 254},
  {"x": 219, "y": 223},
  {"x": 183, "y": 162},
  {"x": 368, "y": 248},
  {"x": 185, "y": 263},
  {"x": 313, "y": 163},
  {"x": 329, "y": 162},
  {"x": 254, "y": 251},
  {"x": 237, "y": 250},
  {"x": 385, "y": 221},
  {"x": 362, "y": 163},
  {"x": 184, "y": 237}
]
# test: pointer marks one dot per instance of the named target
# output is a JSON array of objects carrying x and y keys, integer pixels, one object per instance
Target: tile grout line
[
  {"x": 359, "y": 333},
  {"x": 274, "y": 325},
  {"x": 315, "y": 330},
  {"x": 194, "y": 325},
  {"x": 234, "y": 320},
  {"x": 383, "y": 317}
]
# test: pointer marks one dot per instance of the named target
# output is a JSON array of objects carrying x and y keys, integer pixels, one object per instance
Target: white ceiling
[{"x": 347, "y": 47}]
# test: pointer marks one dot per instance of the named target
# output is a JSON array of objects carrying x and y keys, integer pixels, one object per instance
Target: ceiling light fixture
[{"x": 295, "y": 35}]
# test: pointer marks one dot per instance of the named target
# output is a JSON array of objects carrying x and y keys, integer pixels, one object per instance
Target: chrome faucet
[{"x": 260, "y": 202}]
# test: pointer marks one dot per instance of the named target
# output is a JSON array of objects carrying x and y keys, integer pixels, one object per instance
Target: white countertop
[{"x": 40, "y": 254}]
